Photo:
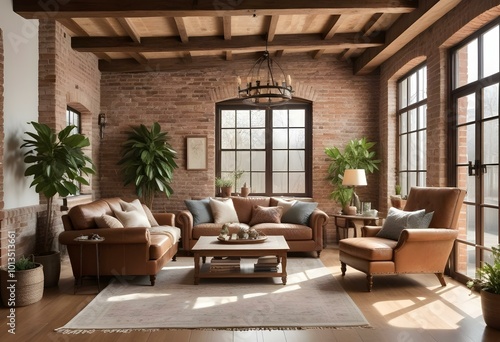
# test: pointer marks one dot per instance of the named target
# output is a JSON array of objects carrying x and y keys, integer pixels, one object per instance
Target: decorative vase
[
  {"x": 226, "y": 191},
  {"x": 51, "y": 262},
  {"x": 490, "y": 304},
  {"x": 351, "y": 210},
  {"x": 245, "y": 191},
  {"x": 28, "y": 286}
]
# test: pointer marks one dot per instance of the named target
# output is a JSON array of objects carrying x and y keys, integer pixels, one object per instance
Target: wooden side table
[
  {"x": 353, "y": 221},
  {"x": 96, "y": 242}
]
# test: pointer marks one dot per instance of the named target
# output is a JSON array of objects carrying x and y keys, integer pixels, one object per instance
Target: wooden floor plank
[{"x": 399, "y": 308}]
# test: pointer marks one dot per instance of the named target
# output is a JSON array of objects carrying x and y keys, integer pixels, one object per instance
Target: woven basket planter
[{"x": 28, "y": 287}]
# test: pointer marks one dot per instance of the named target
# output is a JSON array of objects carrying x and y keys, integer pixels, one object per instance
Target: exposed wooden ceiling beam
[
  {"x": 71, "y": 25},
  {"x": 404, "y": 30},
  {"x": 243, "y": 43},
  {"x": 226, "y": 24},
  {"x": 333, "y": 26},
  {"x": 178, "y": 8},
  {"x": 272, "y": 27},
  {"x": 181, "y": 27}
]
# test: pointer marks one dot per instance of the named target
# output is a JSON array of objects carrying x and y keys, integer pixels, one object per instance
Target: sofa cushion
[
  {"x": 244, "y": 206},
  {"x": 369, "y": 248},
  {"x": 201, "y": 211},
  {"x": 132, "y": 219},
  {"x": 82, "y": 216},
  {"x": 291, "y": 232},
  {"x": 286, "y": 204},
  {"x": 265, "y": 214},
  {"x": 223, "y": 210},
  {"x": 397, "y": 220},
  {"x": 134, "y": 206},
  {"x": 159, "y": 245},
  {"x": 299, "y": 213},
  {"x": 107, "y": 221},
  {"x": 149, "y": 214}
]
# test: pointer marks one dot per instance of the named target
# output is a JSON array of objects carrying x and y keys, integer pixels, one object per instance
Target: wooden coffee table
[{"x": 209, "y": 246}]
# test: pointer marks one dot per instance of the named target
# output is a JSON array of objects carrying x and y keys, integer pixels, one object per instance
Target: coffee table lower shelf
[{"x": 245, "y": 271}]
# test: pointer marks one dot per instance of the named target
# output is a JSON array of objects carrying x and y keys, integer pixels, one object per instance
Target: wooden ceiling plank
[
  {"x": 229, "y": 55},
  {"x": 139, "y": 58},
  {"x": 404, "y": 30},
  {"x": 318, "y": 53},
  {"x": 181, "y": 27},
  {"x": 272, "y": 27},
  {"x": 243, "y": 43},
  {"x": 226, "y": 24},
  {"x": 372, "y": 24},
  {"x": 129, "y": 27},
  {"x": 36, "y": 9}
]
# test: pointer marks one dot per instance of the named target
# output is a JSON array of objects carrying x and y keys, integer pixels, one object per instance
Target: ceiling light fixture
[{"x": 266, "y": 85}]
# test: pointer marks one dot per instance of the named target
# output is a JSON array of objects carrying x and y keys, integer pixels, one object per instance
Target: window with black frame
[
  {"x": 269, "y": 147},
  {"x": 73, "y": 117}
]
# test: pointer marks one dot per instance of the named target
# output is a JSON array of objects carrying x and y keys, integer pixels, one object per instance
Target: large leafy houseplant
[
  {"x": 356, "y": 155},
  {"x": 57, "y": 165},
  {"x": 148, "y": 162},
  {"x": 488, "y": 282}
]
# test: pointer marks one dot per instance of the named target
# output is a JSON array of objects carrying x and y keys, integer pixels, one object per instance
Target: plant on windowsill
[
  {"x": 225, "y": 185},
  {"x": 58, "y": 164},
  {"x": 148, "y": 162},
  {"x": 397, "y": 201},
  {"x": 356, "y": 155},
  {"x": 488, "y": 283}
]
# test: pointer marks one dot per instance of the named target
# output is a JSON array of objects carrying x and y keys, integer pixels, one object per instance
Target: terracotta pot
[
  {"x": 245, "y": 191},
  {"x": 490, "y": 304},
  {"x": 226, "y": 191}
]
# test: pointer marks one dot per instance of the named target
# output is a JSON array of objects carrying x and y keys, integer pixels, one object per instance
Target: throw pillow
[
  {"x": 265, "y": 215},
  {"x": 200, "y": 209},
  {"x": 107, "y": 221},
  {"x": 285, "y": 204},
  {"x": 132, "y": 219},
  {"x": 223, "y": 211},
  {"x": 134, "y": 206},
  {"x": 299, "y": 213},
  {"x": 397, "y": 220},
  {"x": 149, "y": 215}
]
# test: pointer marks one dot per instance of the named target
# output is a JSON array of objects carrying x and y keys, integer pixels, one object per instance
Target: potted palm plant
[
  {"x": 356, "y": 155},
  {"x": 57, "y": 165},
  {"x": 148, "y": 162},
  {"x": 488, "y": 283},
  {"x": 28, "y": 286}
]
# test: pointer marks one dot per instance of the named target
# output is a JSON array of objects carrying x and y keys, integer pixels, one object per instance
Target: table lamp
[{"x": 355, "y": 177}]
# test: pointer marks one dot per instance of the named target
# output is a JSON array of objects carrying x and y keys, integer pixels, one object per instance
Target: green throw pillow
[
  {"x": 397, "y": 220},
  {"x": 201, "y": 211}
]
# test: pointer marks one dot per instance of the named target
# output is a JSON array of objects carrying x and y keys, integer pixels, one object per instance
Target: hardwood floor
[{"x": 400, "y": 308}]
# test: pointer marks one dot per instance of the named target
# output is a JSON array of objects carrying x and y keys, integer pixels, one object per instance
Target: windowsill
[{"x": 72, "y": 201}]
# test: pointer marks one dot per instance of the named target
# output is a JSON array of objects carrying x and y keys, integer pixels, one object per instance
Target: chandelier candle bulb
[{"x": 289, "y": 79}]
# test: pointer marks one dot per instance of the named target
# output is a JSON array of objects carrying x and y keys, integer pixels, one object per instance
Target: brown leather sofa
[
  {"x": 125, "y": 251},
  {"x": 300, "y": 238},
  {"x": 417, "y": 250}
]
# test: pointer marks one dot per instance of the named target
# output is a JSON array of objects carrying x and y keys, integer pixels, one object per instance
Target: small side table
[
  {"x": 95, "y": 242},
  {"x": 353, "y": 221}
]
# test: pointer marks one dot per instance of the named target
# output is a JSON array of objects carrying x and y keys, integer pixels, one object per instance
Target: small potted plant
[
  {"x": 225, "y": 185},
  {"x": 28, "y": 286},
  {"x": 396, "y": 200},
  {"x": 488, "y": 283}
]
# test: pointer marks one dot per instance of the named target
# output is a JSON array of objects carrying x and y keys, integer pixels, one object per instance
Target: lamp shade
[{"x": 354, "y": 177}]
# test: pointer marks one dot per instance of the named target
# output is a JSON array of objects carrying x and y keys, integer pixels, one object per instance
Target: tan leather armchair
[{"x": 417, "y": 250}]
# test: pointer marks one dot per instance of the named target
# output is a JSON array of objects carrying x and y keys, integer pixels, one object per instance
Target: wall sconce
[{"x": 101, "y": 121}]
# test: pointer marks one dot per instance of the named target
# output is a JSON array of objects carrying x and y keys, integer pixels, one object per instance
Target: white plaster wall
[{"x": 20, "y": 37}]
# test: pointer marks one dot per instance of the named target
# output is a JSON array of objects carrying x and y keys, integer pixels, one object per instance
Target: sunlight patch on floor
[
  {"x": 207, "y": 302},
  {"x": 136, "y": 296}
]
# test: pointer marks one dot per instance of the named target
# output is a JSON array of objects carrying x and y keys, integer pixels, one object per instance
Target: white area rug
[{"x": 312, "y": 298}]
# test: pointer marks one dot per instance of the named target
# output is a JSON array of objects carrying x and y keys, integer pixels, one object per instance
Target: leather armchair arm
[
  {"x": 184, "y": 220},
  {"x": 370, "y": 231},
  {"x": 111, "y": 235},
  {"x": 426, "y": 234},
  {"x": 165, "y": 219}
]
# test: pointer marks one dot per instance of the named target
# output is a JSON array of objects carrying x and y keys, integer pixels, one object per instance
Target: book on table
[
  {"x": 220, "y": 264},
  {"x": 267, "y": 264}
]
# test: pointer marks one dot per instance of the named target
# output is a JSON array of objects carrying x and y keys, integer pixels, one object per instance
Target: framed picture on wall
[{"x": 196, "y": 153}]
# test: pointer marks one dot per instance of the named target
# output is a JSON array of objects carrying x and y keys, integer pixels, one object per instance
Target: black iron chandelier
[{"x": 266, "y": 84}]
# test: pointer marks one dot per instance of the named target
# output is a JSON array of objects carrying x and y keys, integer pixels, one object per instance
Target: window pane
[
  {"x": 466, "y": 64},
  {"x": 412, "y": 120},
  {"x": 280, "y": 182},
  {"x": 422, "y": 117},
  {"x": 412, "y": 179},
  {"x": 422, "y": 178},
  {"x": 228, "y": 139},
  {"x": 490, "y": 227},
  {"x": 412, "y": 151},
  {"x": 403, "y": 94},
  {"x": 403, "y": 123},
  {"x": 243, "y": 118},
  {"x": 228, "y": 118},
  {"x": 297, "y": 138},
  {"x": 258, "y": 182},
  {"x": 490, "y": 52},
  {"x": 227, "y": 161},
  {"x": 297, "y": 161},
  {"x": 258, "y": 118},
  {"x": 258, "y": 138},
  {"x": 297, "y": 118},
  {"x": 258, "y": 161},
  {"x": 490, "y": 142},
  {"x": 490, "y": 101},
  {"x": 280, "y": 160},
  {"x": 243, "y": 160},
  {"x": 280, "y": 118},
  {"x": 422, "y": 84},
  {"x": 466, "y": 109},
  {"x": 491, "y": 185},
  {"x": 297, "y": 183},
  {"x": 422, "y": 147},
  {"x": 412, "y": 89},
  {"x": 403, "y": 180},
  {"x": 403, "y": 153},
  {"x": 280, "y": 138},
  {"x": 243, "y": 139}
]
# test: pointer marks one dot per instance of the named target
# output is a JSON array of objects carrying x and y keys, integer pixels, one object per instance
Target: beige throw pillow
[
  {"x": 134, "y": 206},
  {"x": 150, "y": 216},
  {"x": 285, "y": 204},
  {"x": 223, "y": 211},
  {"x": 132, "y": 219},
  {"x": 107, "y": 221}
]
